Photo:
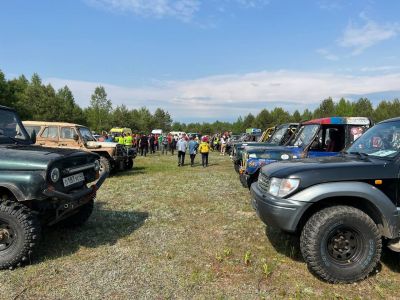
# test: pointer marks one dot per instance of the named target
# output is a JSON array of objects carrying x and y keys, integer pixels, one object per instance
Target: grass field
[{"x": 162, "y": 232}]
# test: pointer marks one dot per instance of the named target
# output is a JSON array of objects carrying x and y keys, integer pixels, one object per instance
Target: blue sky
[{"x": 207, "y": 59}]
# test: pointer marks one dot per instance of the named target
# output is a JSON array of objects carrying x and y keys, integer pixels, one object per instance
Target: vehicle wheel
[
  {"x": 19, "y": 234},
  {"x": 80, "y": 217},
  {"x": 253, "y": 178},
  {"x": 104, "y": 165},
  {"x": 341, "y": 244},
  {"x": 129, "y": 164},
  {"x": 243, "y": 180},
  {"x": 237, "y": 168}
]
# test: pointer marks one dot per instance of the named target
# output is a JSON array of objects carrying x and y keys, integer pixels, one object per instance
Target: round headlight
[
  {"x": 97, "y": 165},
  {"x": 55, "y": 174},
  {"x": 285, "y": 156}
]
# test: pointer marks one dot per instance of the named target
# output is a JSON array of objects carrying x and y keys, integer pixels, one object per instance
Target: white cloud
[
  {"x": 325, "y": 53},
  {"x": 181, "y": 9},
  {"x": 228, "y": 96},
  {"x": 253, "y": 3},
  {"x": 380, "y": 69},
  {"x": 359, "y": 38},
  {"x": 184, "y": 10}
]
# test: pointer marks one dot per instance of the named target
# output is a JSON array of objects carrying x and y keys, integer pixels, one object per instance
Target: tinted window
[{"x": 11, "y": 127}]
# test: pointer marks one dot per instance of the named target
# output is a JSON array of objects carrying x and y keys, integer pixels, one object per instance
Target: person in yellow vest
[
  {"x": 204, "y": 149},
  {"x": 128, "y": 141},
  {"x": 121, "y": 139}
]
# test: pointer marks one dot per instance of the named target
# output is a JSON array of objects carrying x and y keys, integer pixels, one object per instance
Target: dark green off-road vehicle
[{"x": 39, "y": 186}]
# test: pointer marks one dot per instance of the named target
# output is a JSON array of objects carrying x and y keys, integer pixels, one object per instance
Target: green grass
[{"x": 160, "y": 231}]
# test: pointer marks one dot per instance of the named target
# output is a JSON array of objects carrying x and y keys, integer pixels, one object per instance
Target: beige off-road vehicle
[{"x": 67, "y": 135}]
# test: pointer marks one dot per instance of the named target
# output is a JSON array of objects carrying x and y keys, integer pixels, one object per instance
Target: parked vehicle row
[
  {"x": 113, "y": 156},
  {"x": 314, "y": 138},
  {"x": 341, "y": 204},
  {"x": 273, "y": 136}
]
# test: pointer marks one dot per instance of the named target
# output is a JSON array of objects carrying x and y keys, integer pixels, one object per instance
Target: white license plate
[{"x": 70, "y": 180}]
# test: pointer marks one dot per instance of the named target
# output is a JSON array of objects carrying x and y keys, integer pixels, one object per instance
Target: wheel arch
[
  {"x": 11, "y": 191},
  {"x": 360, "y": 195},
  {"x": 357, "y": 202}
]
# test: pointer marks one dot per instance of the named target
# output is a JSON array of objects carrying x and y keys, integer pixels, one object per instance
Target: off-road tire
[
  {"x": 237, "y": 167},
  {"x": 243, "y": 181},
  {"x": 24, "y": 230},
  {"x": 341, "y": 244},
  {"x": 105, "y": 165},
  {"x": 129, "y": 164},
  {"x": 80, "y": 217}
]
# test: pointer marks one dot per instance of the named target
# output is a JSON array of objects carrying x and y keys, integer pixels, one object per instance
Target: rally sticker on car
[{"x": 70, "y": 180}]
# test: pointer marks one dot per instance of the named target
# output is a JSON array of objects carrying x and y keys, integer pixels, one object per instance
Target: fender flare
[
  {"x": 380, "y": 202},
  {"x": 14, "y": 190}
]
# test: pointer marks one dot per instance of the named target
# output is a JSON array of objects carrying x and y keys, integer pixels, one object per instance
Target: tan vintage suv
[{"x": 113, "y": 156}]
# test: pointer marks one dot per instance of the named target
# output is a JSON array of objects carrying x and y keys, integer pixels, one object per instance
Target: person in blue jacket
[{"x": 193, "y": 145}]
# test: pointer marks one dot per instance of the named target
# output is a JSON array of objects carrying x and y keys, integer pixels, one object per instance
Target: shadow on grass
[
  {"x": 391, "y": 259},
  {"x": 284, "y": 243},
  {"x": 134, "y": 171},
  {"x": 104, "y": 227}
]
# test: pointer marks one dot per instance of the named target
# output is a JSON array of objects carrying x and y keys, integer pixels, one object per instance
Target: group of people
[
  {"x": 220, "y": 142},
  {"x": 193, "y": 146},
  {"x": 170, "y": 143}
]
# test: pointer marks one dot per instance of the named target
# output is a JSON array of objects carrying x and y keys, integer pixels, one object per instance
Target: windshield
[
  {"x": 382, "y": 140},
  {"x": 11, "y": 128},
  {"x": 305, "y": 135},
  {"x": 277, "y": 136},
  {"x": 86, "y": 134}
]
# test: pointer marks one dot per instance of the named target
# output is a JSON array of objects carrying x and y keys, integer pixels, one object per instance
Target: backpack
[{"x": 204, "y": 148}]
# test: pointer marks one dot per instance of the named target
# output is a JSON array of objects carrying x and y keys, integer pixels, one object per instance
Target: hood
[
  {"x": 331, "y": 169},
  {"x": 102, "y": 144},
  {"x": 253, "y": 144},
  {"x": 31, "y": 157},
  {"x": 266, "y": 148}
]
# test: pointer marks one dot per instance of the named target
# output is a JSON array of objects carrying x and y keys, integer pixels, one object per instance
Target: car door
[
  {"x": 328, "y": 142},
  {"x": 68, "y": 137}
]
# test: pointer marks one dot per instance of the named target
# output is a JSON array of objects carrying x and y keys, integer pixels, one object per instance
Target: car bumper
[
  {"x": 78, "y": 194},
  {"x": 277, "y": 212}
]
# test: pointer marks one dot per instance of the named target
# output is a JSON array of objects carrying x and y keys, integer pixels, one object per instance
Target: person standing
[
  {"x": 193, "y": 145},
  {"x": 204, "y": 149},
  {"x": 173, "y": 144},
  {"x": 223, "y": 145},
  {"x": 152, "y": 143},
  {"x": 160, "y": 142},
  {"x": 181, "y": 147},
  {"x": 144, "y": 145},
  {"x": 164, "y": 145}
]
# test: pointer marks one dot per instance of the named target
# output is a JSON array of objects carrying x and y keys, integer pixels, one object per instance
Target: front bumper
[
  {"x": 277, "y": 212},
  {"x": 78, "y": 194}
]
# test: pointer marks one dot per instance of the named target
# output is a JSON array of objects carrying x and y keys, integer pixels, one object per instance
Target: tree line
[{"x": 36, "y": 101}]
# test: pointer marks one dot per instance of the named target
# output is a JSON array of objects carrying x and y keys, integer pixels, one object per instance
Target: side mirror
[
  {"x": 76, "y": 137},
  {"x": 33, "y": 136}
]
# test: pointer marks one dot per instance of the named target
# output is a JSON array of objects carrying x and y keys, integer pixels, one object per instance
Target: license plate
[{"x": 70, "y": 180}]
